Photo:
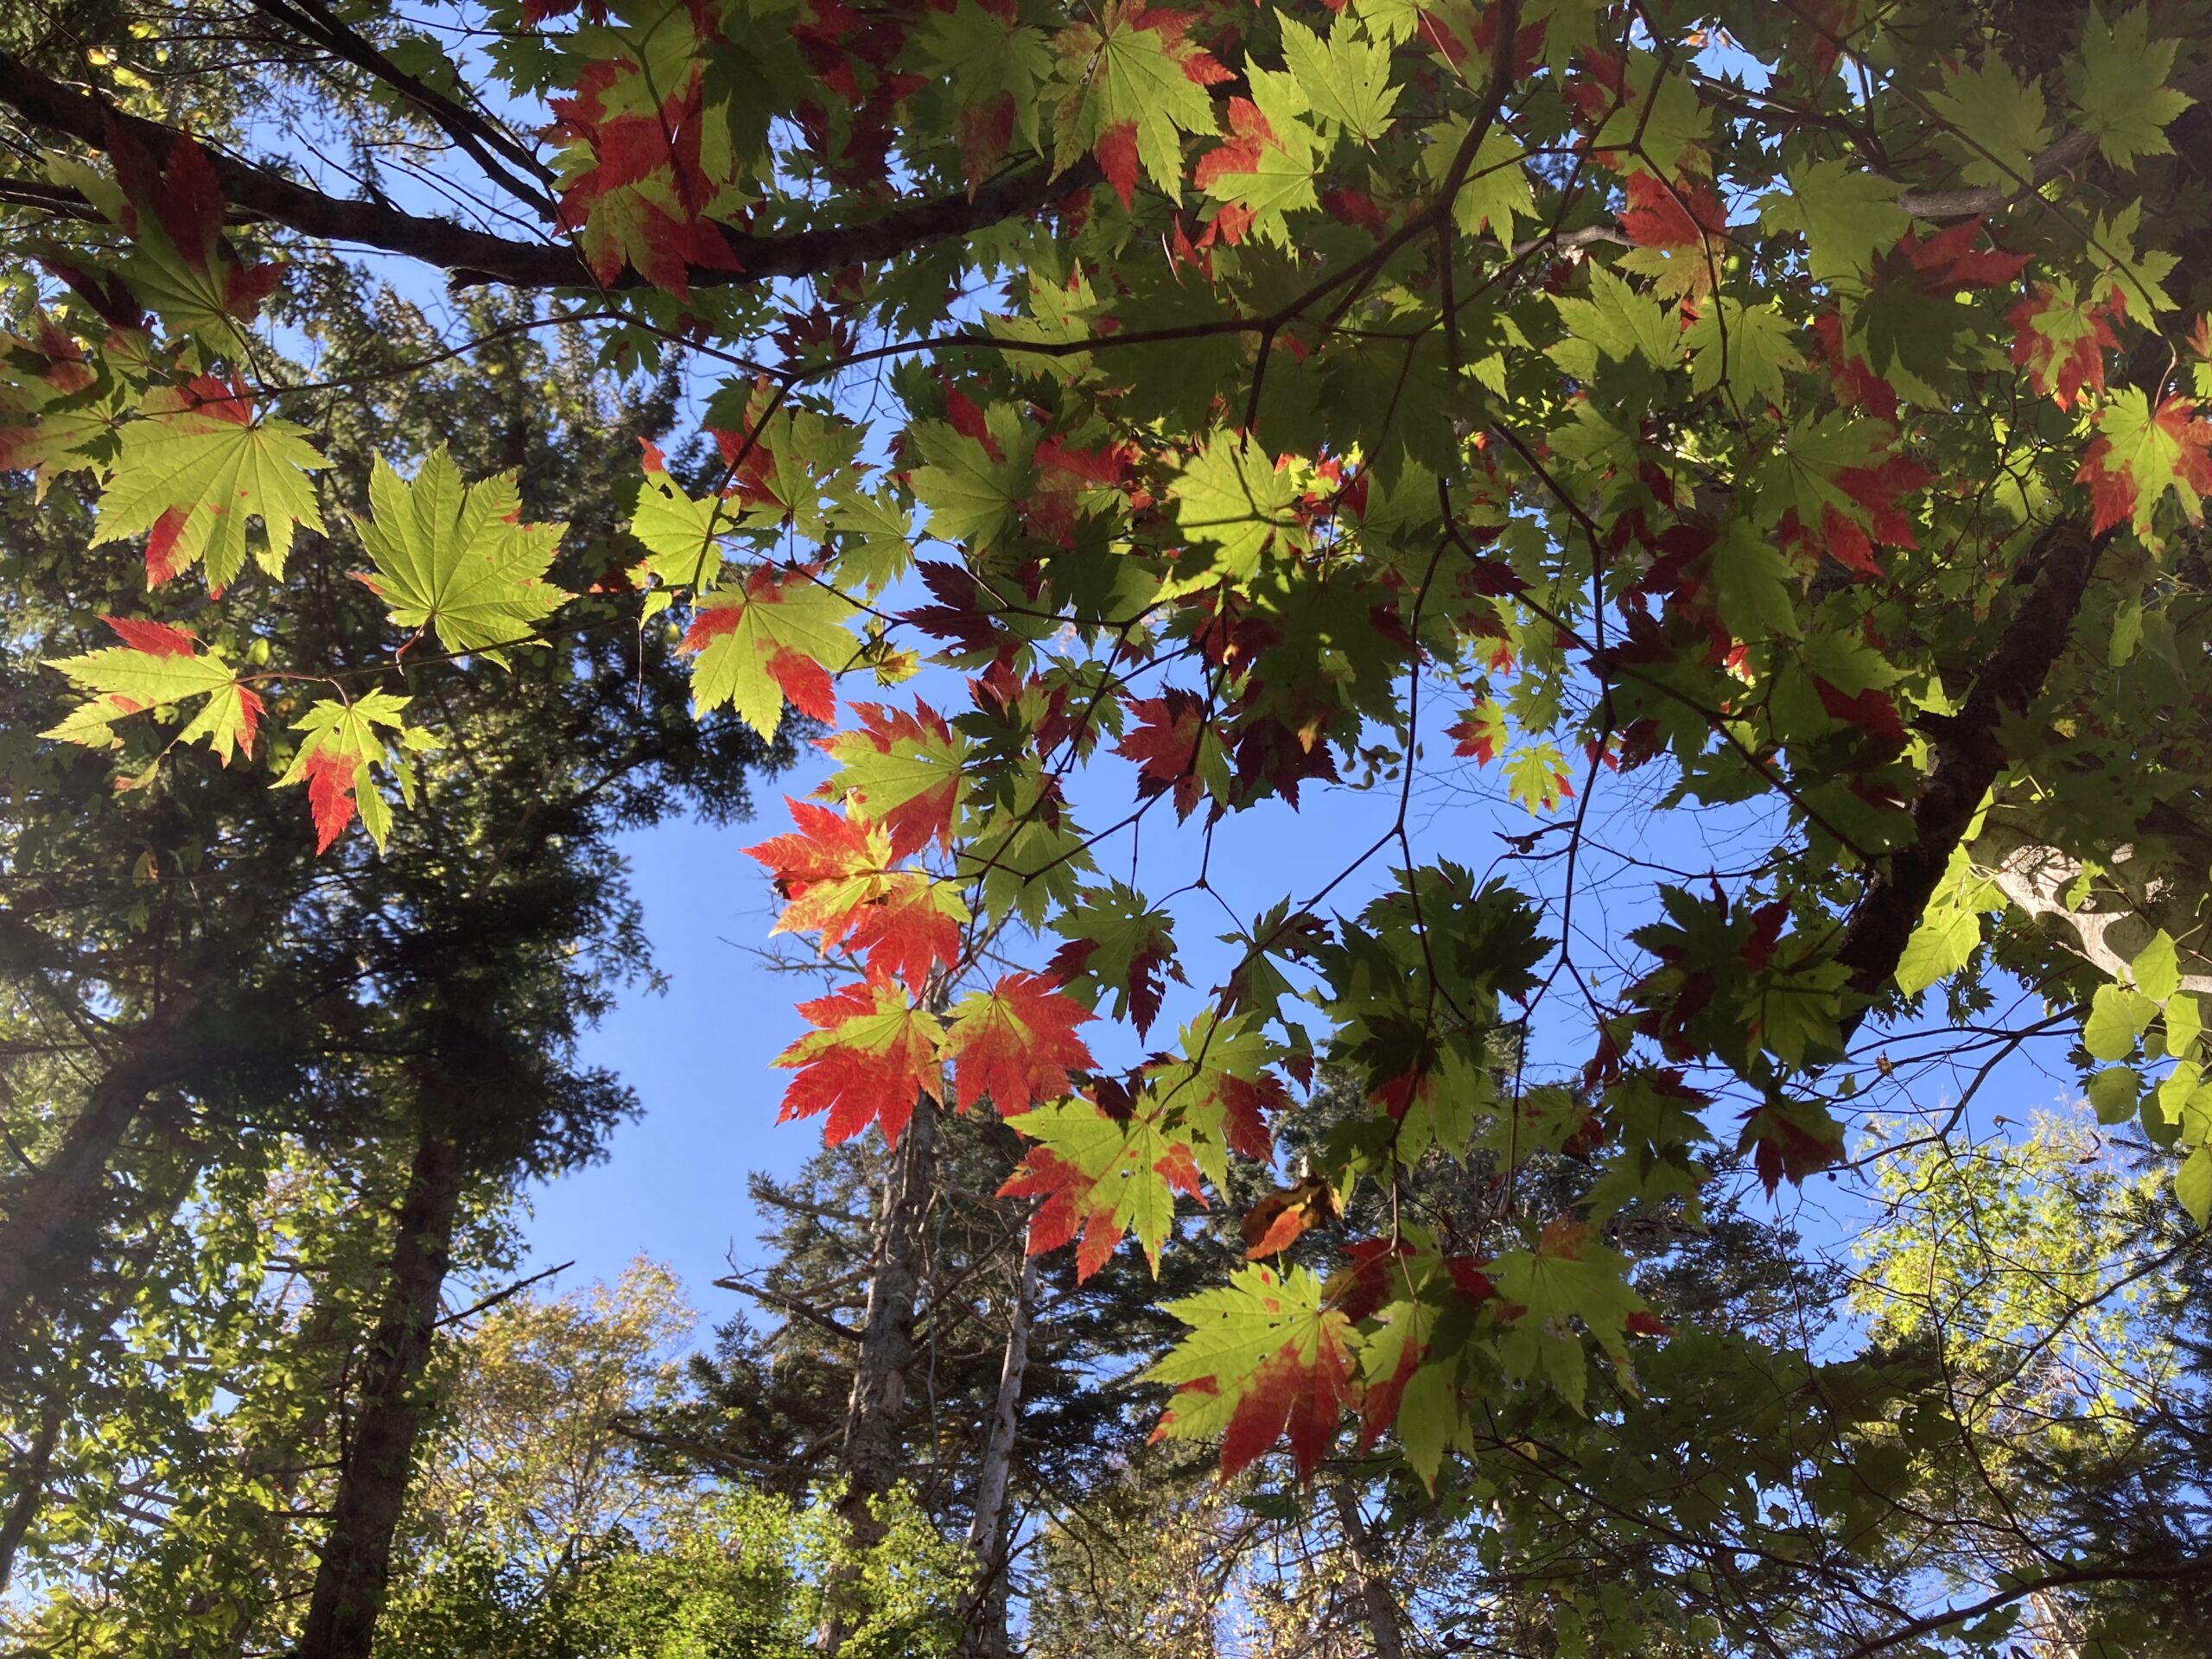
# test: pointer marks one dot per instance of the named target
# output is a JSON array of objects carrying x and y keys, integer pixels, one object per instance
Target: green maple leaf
[
  {"x": 1128, "y": 84},
  {"x": 1346, "y": 81},
  {"x": 1801, "y": 471},
  {"x": 872, "y": 530},
  {"x": 1750, "y": 348},
  {"x": 1566, "y": 1276},
  {"x": 1025, "y": 850},
  {"x": 1535, "y": 776},
  {"x": 1125, "y": 1184},
  {"x": 1233, "y": 503},
  {"x": 984, "y": 57},
  {"x": 2118, "y": 79},
  {"x": 343, "y": 741},
  {"x": 1751, "y": 584},
  {"x": 1267, "y": 168},
  {"x": 975, "y": 495},
  {"x": 1621, "y": 322},
  {"x": 452, "y": 557},
  {"x": 159, "y": 667},
  {"x": 781, "y": 638},
  {"x": 1847, "y": 216},
  {"x": 206, "y": 467},
  {"x": 1262, "y": 1349},
  {"x": 1496, "y": 190},
  {"x": 681, "y": 533},
  {"x": 2001, "y": 124}
]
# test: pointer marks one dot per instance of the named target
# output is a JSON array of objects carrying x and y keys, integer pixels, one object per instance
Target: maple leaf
[
  {"x": 454, "y": 558},
  {"x": 1015, "y": 1043},
  {"x": 836, "y": 872},
  {"x": 1568, "y": 1276},
  {"x": 646, "y": 177},
  {"x": 904, "y": 767},
  {"x": 180, "y": 263},
  {"x": 1791, "y": 1139},
  {"x": 1235, "y": 503},
  {"x": 1116, "y": 940},
  {"x": 1480, "y": 732},
  {"x": 780, "y": 637},
  {"x": 1264, "y": 173},
  {"x": 2118, "y": 79},
  {"x": 158, "y": 666},
  {"x": 194, "y": 467},
  {"x": 1283, "y": 1217},
  {"x": 1100, "y": 1178},
  {"x": 1535, "y": 776},
  {"x": 344, "y": 741},
  {"x": 1264, "y": 1358},
  {"x": 872, "y": 1054},
  {"x": 1949, "y": 260},
  {"x": 1177, "y": 748},
  {"x": 2140, "y": 453},
  {"x": 1135, "y": 87},
  {"x": 1663, "y": 215},
  {"x": 2061, "y": 342},
  {"x": 999, "y": 66}
]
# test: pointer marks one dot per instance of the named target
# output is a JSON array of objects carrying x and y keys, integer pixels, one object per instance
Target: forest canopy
[{"x": 1494, "y": 735}]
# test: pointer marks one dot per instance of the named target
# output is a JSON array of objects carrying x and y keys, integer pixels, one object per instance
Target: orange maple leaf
[{"x": 1015, "y": 1044}]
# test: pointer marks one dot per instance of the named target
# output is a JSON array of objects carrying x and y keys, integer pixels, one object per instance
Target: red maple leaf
[
  {"x": 2063, "y": 345},
  {"x": 1290, "y": 1395},
  {"x": 155, "y": 638},
  {"x": 1164, "y": 746},
  {"x": 1871, "y": 711},
  {"x": 915, "y": 822},
  {"x": 1663, "y": 215},
  {"x": 330, "y": 794},
  {"x": 1117, "y": 150},
  {"x": 1948, "y": 260},
  {"x": 871, "y": 1053},
  {"x": 1015, "y": 1044}
]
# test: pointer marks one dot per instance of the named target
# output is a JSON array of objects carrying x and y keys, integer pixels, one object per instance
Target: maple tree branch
[
  {"x": 473, "y": 255},
  {"x": 314, "y": 21},
  {"x": 2116, "y": 1572},
  {"x": 1968, "y": 201},
  {"x": 1967, "y": 752}
]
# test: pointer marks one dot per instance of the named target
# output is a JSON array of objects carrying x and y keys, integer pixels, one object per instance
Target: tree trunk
[
  {"x": 876, "y": 1411},
  {"x": 27, "y": 1482},
  {"x": 1382, "y": 1607},
  {"x": 57, "y": 1196},
  {"x": 377, "y": 1467},
  {"x": 984, "y": 1634}
]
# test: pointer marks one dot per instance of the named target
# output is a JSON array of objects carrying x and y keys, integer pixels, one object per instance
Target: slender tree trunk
[
  {"x": 56, "y": 1196},
  {"x": 1375, "y": 1595},
  {"x": 377, "y": 1467},
  {"x": 985, "y": 1633},
  {"x": 876, "y": 1411},
  {"x": 27, "y": 1481}
]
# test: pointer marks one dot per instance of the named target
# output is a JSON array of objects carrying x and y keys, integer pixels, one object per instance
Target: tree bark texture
[
  {"x": 985, "y": 1635},
  {"x": 1969, "y": 753},
  {"x": 875, "y": 1413},
  {"x": 1375, "y": 1600},
  {"x": 58, "y": 1197},
  {"x": 378, "y": 1461},
  {"x": 27, "y": 1481}
]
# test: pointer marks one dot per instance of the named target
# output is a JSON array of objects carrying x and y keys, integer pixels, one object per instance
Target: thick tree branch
[
  {"x": 1968, "y": 753},
  {"x": 478, "y": 256}
]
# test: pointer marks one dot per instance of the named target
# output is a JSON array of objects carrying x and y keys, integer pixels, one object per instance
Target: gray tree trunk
[
  {"x": 378, "y": 1465},
  {"x": 875, "y": 1413},
  {"x": 989, "y": 1533},
  {"x": 48, "y": 1202}
]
